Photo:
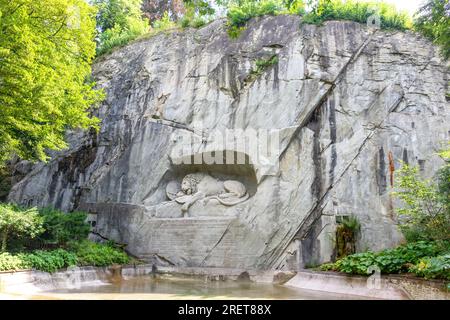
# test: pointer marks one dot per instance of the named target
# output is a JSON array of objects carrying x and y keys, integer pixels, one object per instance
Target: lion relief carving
[{"x": 201, "y": 186}]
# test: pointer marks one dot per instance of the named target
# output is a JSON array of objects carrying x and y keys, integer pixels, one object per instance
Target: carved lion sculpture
[{"x": 201, "y": 186}]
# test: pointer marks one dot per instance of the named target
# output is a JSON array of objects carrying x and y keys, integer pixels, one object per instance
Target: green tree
[
  {"x": 119, "y": 22},
  {"x": 426, "y": 211},
  {"x": 17, "y": 222},
  {"x": 433, "y": 21},
  {"x": 61, "y": 227},
  {"x": 199, "y": 7},
  {"x": 46, "y": 50}
]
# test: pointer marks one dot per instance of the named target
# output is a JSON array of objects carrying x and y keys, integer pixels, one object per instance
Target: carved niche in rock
[{"x": 202, "y": 186}]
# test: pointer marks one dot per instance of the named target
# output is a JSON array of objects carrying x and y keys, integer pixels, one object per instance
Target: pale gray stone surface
[{"x": 349, "y": 102}]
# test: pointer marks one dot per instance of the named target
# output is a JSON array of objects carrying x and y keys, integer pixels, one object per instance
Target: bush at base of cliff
[
  {"x": 49, "y": 261},
  {"x": 52, "y": 228},
  {"x": 61, "y": 227},
  {"x": 18, "y": 222},
  {"x": 83, "y": 253},
  {"x": 425, "y": 214},
  {"x": 434, "y": 267},
  {"x": 99, "y": 255},
  {"x": 398, "y": 260},
  {"x": 9, "y": 262}
]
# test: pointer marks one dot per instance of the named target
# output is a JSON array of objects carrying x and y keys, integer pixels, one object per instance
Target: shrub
[
  {"x": 15, "y": 221},
  {"x": 196, "y": 22},
  {"x": 355, "y": 264},
  {"x": 346, "y": 233},
  {"x": 50, "y": 261},
  {"x": 261, "y": 66},
  {"x": 119, "y": 36},
  {"x": 185, "y": 22},
  {"x": 61, "y": 227},
  {"x": 357, "y": 11},
  {"x": 388, "y": 261},
  {"x": 434, "y": 267},
  {"x": 426, "y": 211},
  {"x": 164, "y": 23},
  {"x": 10, "y": 262},
  {"x": 100, "y": 255},
  {"x": 118, "y": 22},
  {"x": 239, "y": 14},
  {"x": 397, "y": 260}
]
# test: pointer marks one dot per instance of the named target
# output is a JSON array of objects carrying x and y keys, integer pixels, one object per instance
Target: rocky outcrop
[{"x": 347, "y": 104}]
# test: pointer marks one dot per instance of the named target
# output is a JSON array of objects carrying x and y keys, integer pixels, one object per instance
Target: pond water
[{"x": 149, "y": 288}]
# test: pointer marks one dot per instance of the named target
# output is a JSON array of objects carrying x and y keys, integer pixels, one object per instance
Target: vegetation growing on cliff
[
  {"x": 261, "y": 65},
  {"x": 381, "y": 14},
  {"x": 118, "y": 23},
  {"x": 240, "y": 12}
]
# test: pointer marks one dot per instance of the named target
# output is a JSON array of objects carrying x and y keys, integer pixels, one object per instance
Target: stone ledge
[{"x": 389, "y": 287}]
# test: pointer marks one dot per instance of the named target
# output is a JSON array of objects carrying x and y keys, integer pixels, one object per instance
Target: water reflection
[{"x": 172, "y": 288}]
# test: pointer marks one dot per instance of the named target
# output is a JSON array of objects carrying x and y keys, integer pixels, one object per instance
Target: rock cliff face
[{"x": 348, "y": 103}]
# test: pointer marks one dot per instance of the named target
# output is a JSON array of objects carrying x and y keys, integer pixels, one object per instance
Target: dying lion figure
[{"x": 201, "y": 186}]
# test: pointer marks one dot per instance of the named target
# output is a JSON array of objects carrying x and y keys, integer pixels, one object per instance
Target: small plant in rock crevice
[
  {"x": 346, "y": 236},
  {"x": 261, "y": 65}
]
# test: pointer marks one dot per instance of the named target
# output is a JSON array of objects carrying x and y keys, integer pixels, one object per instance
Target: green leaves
[
  {"x": 426, "y": 211},
  {"x": 18, "y": 222},
  {"x": 358, "y": 11},
  {"x": 55, "y": 228},
  {"x": 99, "y": 255},
  {"x": 60, "y": 227},
  {"x": 118, "y": 22},
  {"x": 434, "y": 267},
  {"x": 50, "y": 261},
  {"x": 402, "y": 259},
  {"x": 433, "y": 21},
  {"x": 240, "y": 12},
  {"x": 9, "y": 262},
  {"x": 45, "y": 61}
]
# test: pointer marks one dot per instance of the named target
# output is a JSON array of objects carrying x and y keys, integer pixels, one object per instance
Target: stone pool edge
[
  {"x": 14, "y": 284},
  {"x": 393, "y": 287}
]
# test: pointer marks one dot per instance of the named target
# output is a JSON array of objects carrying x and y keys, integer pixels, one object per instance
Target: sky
[{"x": 409, "y": 5}]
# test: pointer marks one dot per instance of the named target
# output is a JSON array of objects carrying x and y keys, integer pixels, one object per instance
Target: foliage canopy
[
  {"x": 426, "y": 211},
  {"x": 15, "y": 221},
  {"x": 118, "y": 22},
  {"x": 46, "y": 50},
  {"x": 433, "y": 21}
]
